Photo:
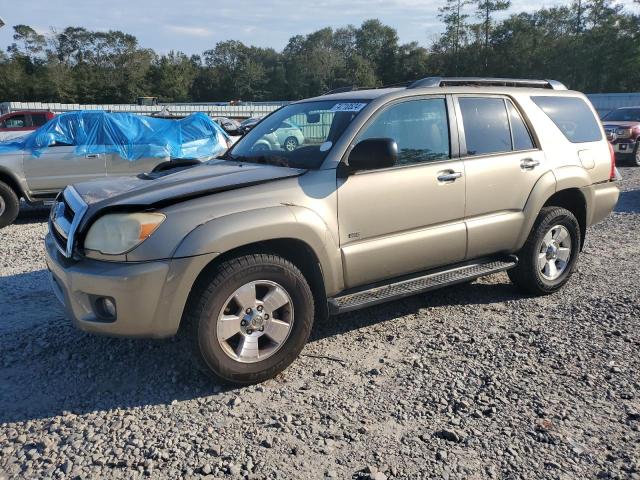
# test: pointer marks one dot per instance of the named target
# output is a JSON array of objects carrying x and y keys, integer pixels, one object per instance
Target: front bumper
[
  {"x": 624, "y": 148},
  {"x": 149, "y": 296}
]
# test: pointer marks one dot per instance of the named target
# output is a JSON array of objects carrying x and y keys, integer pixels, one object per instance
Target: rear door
[
  {"x": 502, "y": 162},
  {"x": 409, "y": 217}
]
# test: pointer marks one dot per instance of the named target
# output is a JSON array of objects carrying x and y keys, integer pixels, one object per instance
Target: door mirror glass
[{"x": 374, "y": 153}]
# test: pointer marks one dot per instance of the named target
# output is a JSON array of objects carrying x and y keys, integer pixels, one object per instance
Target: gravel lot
[{"x": 475, "y": 381}]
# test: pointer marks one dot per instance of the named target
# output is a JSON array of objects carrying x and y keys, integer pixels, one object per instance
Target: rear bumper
[
  {"x": 149, "y": 297},
  {"x": 601, "y": 200}
]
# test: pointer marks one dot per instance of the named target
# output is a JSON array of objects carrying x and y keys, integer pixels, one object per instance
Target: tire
[
  {"x": 290, "y": 144},
  {"x": 635, "y": 160},
  {"x": 219, "y": 296},
  {"x": 9, "y": 205},
  {"x": 530, "y": 275}
]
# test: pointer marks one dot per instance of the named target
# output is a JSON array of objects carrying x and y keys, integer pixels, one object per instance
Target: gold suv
[{"x": 394, "y": 191}]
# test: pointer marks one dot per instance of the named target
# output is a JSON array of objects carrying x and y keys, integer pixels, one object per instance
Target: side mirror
[{"x": 373, "y": 153}]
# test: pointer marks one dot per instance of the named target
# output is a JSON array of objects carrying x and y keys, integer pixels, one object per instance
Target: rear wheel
[
  {"x": 290, "y": 144},
  {"x": 549, "y": 255},
  {"x": 9, "y": 205},
  {"x": 252, "y": 319}
]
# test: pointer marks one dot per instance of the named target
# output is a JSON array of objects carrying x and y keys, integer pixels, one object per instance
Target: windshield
[
  {"x": 299, "y": 135},
  {"x": 624, "y": 115}
]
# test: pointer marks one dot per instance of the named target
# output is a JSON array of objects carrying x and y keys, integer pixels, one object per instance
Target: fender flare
[
  {"x": 553, "y": 181},
  {"x": 14, "y": 182},
  {"x": 235, "y": 230}
]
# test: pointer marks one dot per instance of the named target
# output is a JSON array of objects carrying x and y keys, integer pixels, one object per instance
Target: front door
[
  {"x": 59, "y": 166},
  {"x": 410, "y": 217}
]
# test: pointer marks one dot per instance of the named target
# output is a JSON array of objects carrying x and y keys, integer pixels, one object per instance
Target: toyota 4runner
[{"x": 395, "y": 191}]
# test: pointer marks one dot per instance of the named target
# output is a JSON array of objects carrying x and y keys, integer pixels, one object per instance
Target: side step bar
[{"x": 407, "y": 286}]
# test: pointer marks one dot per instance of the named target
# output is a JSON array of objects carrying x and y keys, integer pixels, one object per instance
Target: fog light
[{"x": 106, "y": 307}]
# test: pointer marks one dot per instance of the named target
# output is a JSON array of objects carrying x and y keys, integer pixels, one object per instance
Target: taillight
[{"x": 612, "y": 172}]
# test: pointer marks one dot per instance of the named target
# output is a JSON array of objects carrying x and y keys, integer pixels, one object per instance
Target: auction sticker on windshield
[{"x": 348, "y": 107}]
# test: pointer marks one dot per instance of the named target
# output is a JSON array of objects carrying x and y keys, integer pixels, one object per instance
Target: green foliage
[{"x": 591, "y": 45}]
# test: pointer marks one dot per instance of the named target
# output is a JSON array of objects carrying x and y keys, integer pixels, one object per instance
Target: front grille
[{"x": 66, "y": 214}]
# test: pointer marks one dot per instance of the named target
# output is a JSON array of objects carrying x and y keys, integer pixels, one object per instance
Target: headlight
[
  {"x": 623, "y": 132},
  {"x": 117, "y": 233}
]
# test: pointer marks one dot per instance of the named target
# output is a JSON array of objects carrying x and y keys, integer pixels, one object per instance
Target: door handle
[
  {"x": 529, "y": 163},
  {"x": 92, "y": 155},
  {"x": 449, "y": 176}
]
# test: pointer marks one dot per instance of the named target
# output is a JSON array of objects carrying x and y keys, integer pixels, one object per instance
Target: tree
[
  {"x": 484, "y": 11},
  {"x": 30, "y": 43},
  {"x": 455, "y": 27}
]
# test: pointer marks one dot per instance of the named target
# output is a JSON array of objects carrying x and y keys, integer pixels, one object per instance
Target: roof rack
[
  {"x": 341, "y": 90},
  {"x": 353, "y": 88},
  {"x": 493, "y": 82}
]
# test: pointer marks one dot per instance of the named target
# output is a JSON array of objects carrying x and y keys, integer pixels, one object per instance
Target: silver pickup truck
[
  {"x": 395, "y": 191},
  {"x": 79, "y": 146}
]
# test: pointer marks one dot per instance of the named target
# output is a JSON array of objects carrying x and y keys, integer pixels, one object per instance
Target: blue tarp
[{"x": 128, "y": 135}]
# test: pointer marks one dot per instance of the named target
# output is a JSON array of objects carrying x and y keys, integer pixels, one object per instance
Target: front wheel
[
  {"x": 636, "y": 154},
  {"x": 252, "y": 319},
  {"x": 549, "y": 255}
]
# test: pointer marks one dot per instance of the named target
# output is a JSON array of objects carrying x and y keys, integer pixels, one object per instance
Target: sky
[{"x": 193, "y": 26}]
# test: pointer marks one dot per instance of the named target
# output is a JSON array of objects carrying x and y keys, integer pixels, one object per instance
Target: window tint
[
  {"x": 572, "y": 116},
  {"x": 521, "y": 137},
  {"x": 38, "y": 119},
  {"x": 419, "y": 127},
  {"x": 18, "y": 121},
  {"x": 486, "y": 127}
]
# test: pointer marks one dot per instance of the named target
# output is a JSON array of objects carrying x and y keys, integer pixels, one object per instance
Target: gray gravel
[{"x": 475, "y": 381}]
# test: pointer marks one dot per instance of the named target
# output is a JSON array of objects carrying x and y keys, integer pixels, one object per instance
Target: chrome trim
[{"x": 61, "y": 225}]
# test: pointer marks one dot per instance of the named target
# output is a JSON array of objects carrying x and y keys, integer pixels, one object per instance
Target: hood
[{"x": 151, "y": 191}]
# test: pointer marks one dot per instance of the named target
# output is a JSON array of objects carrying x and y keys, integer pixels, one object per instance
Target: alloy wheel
[
  {"x": 554, "y": 252},
  {"x": 255, "y": 322}
]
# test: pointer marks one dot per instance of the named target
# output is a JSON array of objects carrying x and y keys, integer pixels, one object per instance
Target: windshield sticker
[
  {"x": 348, "y": 107},
  {"x": 325, "y": 146}
]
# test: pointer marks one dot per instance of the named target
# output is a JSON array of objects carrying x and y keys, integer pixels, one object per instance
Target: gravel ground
[{"x": 475, "y": 381}]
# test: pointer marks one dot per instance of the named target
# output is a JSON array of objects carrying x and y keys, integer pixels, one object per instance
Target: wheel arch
[
  {"x": 294, "y": 250},
  {"x": 573, "y": 200},
  {"x": 12, "y": 182}
]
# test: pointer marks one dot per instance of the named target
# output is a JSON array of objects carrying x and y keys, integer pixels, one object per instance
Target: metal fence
[
  {"x": 238, "y": 112},
  {"x": 605, "y": 102}
]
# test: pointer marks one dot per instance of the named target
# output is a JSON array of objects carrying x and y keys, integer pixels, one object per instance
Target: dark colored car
[
  {"x": 622, "y": 127},
  {"x": 16, "y": 124}
]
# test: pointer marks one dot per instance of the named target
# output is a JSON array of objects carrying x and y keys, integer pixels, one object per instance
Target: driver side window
[{"x": 419, "y": 127}]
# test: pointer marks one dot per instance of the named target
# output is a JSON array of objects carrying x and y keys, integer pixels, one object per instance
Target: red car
[
  {"x": 15, "y": 124},
  {"x": 622, "y": 127}
]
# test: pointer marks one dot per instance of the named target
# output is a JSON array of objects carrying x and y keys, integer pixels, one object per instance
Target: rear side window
[
  {"x": 486, "y": 126},
  {"x": 521, "y": 136},
  {"x": 572, "y": 116}
]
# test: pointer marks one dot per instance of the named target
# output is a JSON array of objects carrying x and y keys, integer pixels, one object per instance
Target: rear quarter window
[{"x": 572, "y": 116}]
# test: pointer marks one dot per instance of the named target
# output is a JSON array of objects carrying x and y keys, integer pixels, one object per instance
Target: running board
[{"x": 408, "y": 286}]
